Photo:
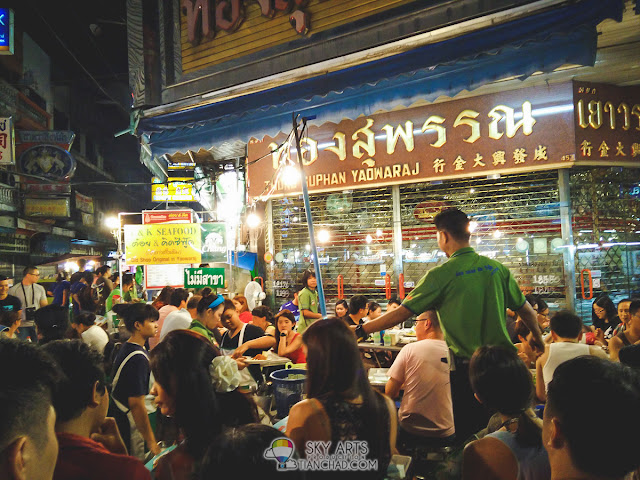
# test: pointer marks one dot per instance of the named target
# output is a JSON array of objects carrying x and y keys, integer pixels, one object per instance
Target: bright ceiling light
[
  {"x": 369, "y": 239},
  {"x": 472, "y": 226},
  {"x": 497, "y": 234},
  {"x": 253, "y": 220},
  {"x": 379, "y": 232},
  {"x": 112, "y": 223},
  {"x": 323, "y": 236}
]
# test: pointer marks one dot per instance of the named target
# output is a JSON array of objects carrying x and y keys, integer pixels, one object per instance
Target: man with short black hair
[
  {"x": 631, "y": 335},
  {"x": 569, "y": 435},
  {"x": 90, "y": 443},
  {"x": 358, "y": 307},
  {"x": 471, "y": 294},
  {"x": 28, "y": 445},
  {"x": 32, "y": 296},
  {"x": 566, "y": 330},
  {"x": 90, "y": 333},
  {"x": 104, "y": 286},
  {"x": 82, "y": 263},
  {"x": 179, "y": 319}
]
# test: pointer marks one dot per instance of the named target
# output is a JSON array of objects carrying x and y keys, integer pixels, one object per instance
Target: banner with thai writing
[
  {"x": 162, "y": 244},
  {"x": 204, "y": 277},
  {"x": 519, "y": 130},
  {"x": 607, "y": 124}
]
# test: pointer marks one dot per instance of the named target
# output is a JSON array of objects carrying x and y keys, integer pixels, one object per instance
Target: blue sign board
[
  {"x": 49, "y": 161},
  {"x": 6, "y": 31}
]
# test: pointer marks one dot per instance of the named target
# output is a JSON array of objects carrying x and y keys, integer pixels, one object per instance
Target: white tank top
[{"x": 560, "y": 353}]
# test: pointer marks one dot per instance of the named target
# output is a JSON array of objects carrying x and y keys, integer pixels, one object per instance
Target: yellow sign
[
  {"x": 176, "y": 190},
  {"x": 162, "y": 244},
  {"x": 46, "y": 207}
]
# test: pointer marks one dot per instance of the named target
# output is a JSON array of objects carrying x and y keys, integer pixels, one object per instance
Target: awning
[
  {"x": 541, "y": 42},
  {"x": 246, "y": 260}
]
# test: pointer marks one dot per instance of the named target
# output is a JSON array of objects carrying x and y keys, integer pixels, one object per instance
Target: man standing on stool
[{"x": 471, "y": 294}]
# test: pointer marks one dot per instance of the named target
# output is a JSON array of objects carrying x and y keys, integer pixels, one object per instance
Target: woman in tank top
[
  {"x": 502, "y": 383},
  {"x": 341, "y": 404}
]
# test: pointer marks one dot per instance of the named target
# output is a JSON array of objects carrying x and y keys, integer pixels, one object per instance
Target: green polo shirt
[
  {"x": 307, "y": 300},
  {"x": 471, "y": 294},
  {"x": 197, "y": 326}
]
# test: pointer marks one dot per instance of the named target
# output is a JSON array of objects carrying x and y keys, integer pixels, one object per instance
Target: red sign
[{"x": 166, "y": 216}]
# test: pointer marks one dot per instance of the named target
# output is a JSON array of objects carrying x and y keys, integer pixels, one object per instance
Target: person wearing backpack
[{"x": 131, "y": 379}]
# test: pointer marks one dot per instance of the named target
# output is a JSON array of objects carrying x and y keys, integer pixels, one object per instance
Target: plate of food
[{"x": 266, "y": 359}]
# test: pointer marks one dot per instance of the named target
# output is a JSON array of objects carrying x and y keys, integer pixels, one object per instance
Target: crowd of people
[{"x": 174, "y": 384}]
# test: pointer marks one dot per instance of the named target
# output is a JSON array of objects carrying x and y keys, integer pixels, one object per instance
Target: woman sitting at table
[
  {"x": 263, "y": 318},
  {"x": 196, "y": 386},
  {"x": 341, "y": 404},
  {"x": 502, "y": 383},
  {"x": 289, "y": 342}
]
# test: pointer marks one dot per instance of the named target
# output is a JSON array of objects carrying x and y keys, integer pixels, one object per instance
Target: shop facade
[
  {"x": 476, "y": 111},
  {"x": 549, "y": 181}
]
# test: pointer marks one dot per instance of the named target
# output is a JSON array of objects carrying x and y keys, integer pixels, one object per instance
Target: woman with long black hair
[
  {"x": 196, "y": 386},
  {"x": 341, "y": 404}
]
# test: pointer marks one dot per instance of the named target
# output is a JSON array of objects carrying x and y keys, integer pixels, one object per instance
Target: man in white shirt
[
  {"x": 566, "y": 330},
  {"x": 91, "y": 334},
  {"x": 32, "y": 296},
  {"x": 426, "y": 411},
  {"x": 179, "y": 319}
]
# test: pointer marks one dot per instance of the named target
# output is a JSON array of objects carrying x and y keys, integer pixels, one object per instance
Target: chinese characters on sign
[
  {"x": 607, "y": 124},
  {"x": 529, "y": 129}
]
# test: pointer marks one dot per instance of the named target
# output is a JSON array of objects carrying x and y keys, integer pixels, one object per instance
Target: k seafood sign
[{"x": 522, "y": 130}]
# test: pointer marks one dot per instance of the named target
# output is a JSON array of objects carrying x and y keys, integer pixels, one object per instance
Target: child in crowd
[
  {"x": 566, "y": 330},
  {"x": 502, "y": 383},
  {"x": 581, "y": 449},
  {"x": 90, "y": 444},
  {"x": 196, "y": 386},
  {"x": 289, "y": 342},
  {"x": 131, "y": 374},
  {"x": 341, "y": 404}
]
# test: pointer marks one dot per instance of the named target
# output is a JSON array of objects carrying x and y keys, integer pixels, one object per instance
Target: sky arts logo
[{"x": 347, "y": 456}]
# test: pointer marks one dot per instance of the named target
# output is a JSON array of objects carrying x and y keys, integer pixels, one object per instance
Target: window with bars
[
  {"x": 515, "y": 220},
  {"x": 358, "y": 248},
  {"x": 606, "y": 230}
]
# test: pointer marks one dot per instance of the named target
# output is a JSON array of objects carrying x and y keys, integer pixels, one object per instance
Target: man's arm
[
  {"x": 599, "y": 352},
  {"x": 310, "y": 314},
  {"x": 140, "y": 417},
  {"x": 530, "y": 319},
  {"x": 541, "y": 391},
  {"x": 392, "y": 388},
  {"x": 388, "y": 320}
]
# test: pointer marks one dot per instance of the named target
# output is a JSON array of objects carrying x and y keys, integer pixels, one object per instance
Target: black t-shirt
[
  {"x": 134, "y": 378},
  {"x": 10, "y": 304},
  {"x": 251, "y": 332},
  {"x": 607, "y": 328},
  {"x": 347, "y": 318}
]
